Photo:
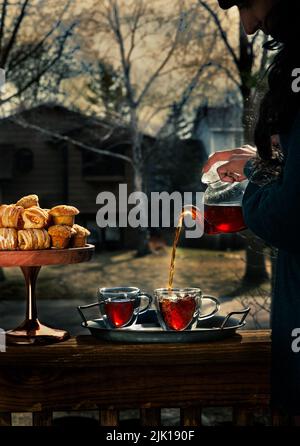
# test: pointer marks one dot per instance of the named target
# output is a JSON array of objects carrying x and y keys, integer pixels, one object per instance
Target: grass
[{"x": 214, "y": 272}]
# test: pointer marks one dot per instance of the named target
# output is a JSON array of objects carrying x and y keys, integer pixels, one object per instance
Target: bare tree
[
  {"x": 35, "y": 50},
  {"x": 246, "y": 66},
  {"x": 31, "y": 59},
  {"x": 127, "y": 29}
]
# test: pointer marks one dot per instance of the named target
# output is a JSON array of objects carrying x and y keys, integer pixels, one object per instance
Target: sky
[{"x": 197, "y": 44}]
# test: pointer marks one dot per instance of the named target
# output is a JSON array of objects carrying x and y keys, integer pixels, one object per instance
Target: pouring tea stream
[{"x": 222, "y": 210}]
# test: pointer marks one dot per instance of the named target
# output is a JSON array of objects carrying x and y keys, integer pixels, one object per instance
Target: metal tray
[{"x": 148, "y": 330}]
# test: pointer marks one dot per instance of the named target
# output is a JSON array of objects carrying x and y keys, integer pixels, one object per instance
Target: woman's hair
[{"x": 280, "y": 104}]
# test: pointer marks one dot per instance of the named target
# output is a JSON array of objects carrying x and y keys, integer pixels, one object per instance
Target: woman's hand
[{"x": 233, "y": 170}]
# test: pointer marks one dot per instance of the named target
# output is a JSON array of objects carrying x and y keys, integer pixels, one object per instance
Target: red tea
[
  {"x": 217, "y": 220},
  {"x": 223, "y": 219},
  {"x": 119, "y": 312},
  {"x": 178, "y": 313}
]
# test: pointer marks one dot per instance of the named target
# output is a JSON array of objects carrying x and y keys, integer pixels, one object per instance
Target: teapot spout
[{"x": 194, "y": 211}]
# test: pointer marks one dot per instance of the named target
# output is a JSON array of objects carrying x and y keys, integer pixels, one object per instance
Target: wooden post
[
  {"x": 150, "y": 417},
  {"x": 191, "y": 416},
  {"x": 280, "y": 420},
  {"x": 43, "y": 418},
  {"x": 242, "y": 416},
  {"x": 5, "y": 419},
  {"x": 109, "y": 417}
]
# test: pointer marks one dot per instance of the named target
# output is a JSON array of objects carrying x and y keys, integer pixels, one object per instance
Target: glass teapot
[{"x": 222, "y": 203}]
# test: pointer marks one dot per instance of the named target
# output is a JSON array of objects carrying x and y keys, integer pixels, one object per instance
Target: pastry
[
  {"x": 2, "y": 208},
  {"x": 35, "y": 218},
  {"x": 28, "y": 201},
  {"x": 80, "y": 237},
  {"x": 11, "y": 216},
  {"x": 64, "y": 215},
  {"x": 61, "y": 236},
  {"x": 8, "y": 239},
  {"x": 30, "y": 239},
  {"x": 49, "y": 221}
]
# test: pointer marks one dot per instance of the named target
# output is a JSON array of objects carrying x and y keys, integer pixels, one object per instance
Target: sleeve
[
  {"x": 272, "y": 211},
  {"x": 249, "y": 168}
]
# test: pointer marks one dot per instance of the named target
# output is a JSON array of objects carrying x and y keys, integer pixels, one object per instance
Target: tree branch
[
  {"x": 40, "y": 44},
  {"x": 114, "y": 20},
  {"x": 14, "y": 35},
  {"x": 73, "y": 141},
  {"x": 36, "y": 78},
  {"x": 221, "y": 30},
  {"x": 228, "y": 73},
  {"x": 136, "y": 18},
  {"x": 160, "y": 68},
  {"x": 3, "y": 17}
]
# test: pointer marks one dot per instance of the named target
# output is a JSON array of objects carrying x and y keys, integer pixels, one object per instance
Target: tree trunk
[{"x": 142, "y": 233}]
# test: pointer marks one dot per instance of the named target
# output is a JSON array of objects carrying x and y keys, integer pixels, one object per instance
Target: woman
[{"x": 271, "y": 203}]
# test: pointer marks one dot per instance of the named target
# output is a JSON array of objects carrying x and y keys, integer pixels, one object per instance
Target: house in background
[
  {"x": 60, "y": 172},
  {"x": 219, "y": 128}
]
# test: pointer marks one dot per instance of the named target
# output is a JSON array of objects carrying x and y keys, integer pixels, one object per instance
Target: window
[
  {"x": 101, "y": 165},
  {"x": 24, "y": 160}
]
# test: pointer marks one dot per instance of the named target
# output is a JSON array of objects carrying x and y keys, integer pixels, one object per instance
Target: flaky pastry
[
  {"x": 35, "y": 218},
  {"x": 28, "y": 201},
  {"x": 11, "y": 216},
  {"x": 8, "y": 239},
  {"x": 31, "y": 239}
]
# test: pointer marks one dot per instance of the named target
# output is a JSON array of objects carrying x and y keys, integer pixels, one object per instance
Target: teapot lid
[
  {"x": 212, "y": 175},
  {"x": 213, "y": 180},
  {"x": 222, "y": 192}
]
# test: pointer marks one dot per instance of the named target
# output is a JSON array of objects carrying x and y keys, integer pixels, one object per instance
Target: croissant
[
  {"x": 11, "y": 216},
  {"x": 49, "y": 221},
  {"x": 28, "y": 201},
  {"x": 35, "y": 218},
  {"x": 8, "y": 239},
  {"x": 29, "y": 239},
  {"x": 2, "y": 209}
]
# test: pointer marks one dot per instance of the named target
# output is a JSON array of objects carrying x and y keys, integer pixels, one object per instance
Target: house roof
[
  {"x": 73, "y": 122},
  {"x": 41, "y": 112}
]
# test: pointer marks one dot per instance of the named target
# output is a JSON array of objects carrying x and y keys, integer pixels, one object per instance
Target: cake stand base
[{"x": 33, "y": 332}]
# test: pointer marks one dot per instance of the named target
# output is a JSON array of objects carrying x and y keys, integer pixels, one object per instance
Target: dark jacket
[{"x": 272, "y": 212}]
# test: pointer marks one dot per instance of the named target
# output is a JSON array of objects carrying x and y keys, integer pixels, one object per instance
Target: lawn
[{"x": 216, "y": 272}]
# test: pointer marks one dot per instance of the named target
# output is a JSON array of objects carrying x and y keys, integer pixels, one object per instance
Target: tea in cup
[
  {"x": 120, "y": 306},
  {"x": 180, "y": 309}
]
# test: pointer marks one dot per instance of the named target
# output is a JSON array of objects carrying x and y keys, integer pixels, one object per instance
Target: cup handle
[
  {"x": 215, "y": 310},
  {"x": 149, "y": 297},
  {"x": 83, "y": 307}
]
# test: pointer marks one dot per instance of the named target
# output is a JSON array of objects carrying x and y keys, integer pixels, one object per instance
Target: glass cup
[
  {"x": 120, "y": 306},
  {"x": 180, "y": 309}
]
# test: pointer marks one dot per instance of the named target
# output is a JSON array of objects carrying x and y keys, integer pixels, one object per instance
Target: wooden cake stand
[{"x": 32, "y": 331}]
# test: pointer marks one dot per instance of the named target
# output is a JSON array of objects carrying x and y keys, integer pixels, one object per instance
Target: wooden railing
[{"x": 83, "y": 373}]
